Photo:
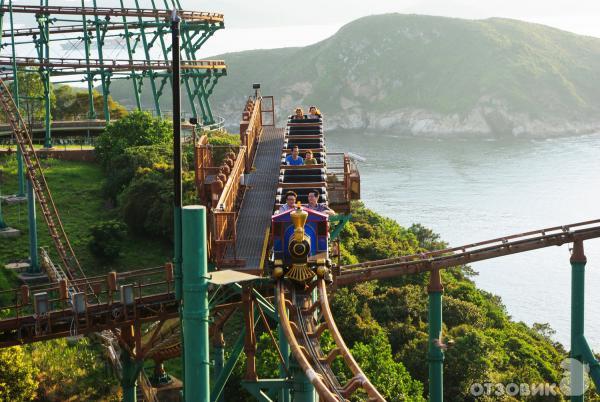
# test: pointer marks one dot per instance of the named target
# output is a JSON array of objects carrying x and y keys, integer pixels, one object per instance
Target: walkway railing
[
  {"x": 251, "y": 129},
  {"x": 225, "y": 214}
]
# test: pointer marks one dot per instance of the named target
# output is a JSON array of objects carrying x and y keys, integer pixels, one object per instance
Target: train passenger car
[{"x": 300, "y": 236}]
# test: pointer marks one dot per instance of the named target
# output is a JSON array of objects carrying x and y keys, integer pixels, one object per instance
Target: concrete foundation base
[
  {"x": 9, "y": 232},
  {"x": 13, "y": 199},
  {"x": 33, "y": 279},
  {"x": 170, "y": 392},
  {"x": 20, "y": 266}
]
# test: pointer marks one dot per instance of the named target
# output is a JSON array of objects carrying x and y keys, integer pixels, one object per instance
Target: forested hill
[{"x": 430, "y": 75}]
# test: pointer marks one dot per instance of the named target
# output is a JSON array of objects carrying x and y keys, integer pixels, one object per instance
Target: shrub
[
  {"x": 147, "y": 203},
  {"x": 225, "y": 142},
  {"x": 135, "y": 129},
  {"x": 123, "y": 167},
  {"x": 17, "y": 376},
  {"x": 106, "y": 239}
]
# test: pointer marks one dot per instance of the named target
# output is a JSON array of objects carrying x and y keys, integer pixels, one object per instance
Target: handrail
[
  {"x": 251, "y": 129},
  {"x": 225, "y": 214}
]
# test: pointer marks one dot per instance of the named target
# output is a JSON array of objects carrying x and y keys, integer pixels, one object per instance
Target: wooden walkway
[{"x": 256, "y": 210}]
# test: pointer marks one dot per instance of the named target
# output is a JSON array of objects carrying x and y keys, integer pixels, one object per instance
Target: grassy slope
[
  {"x": 391, "y": 61},
  {"x": 75, "y": 187}
]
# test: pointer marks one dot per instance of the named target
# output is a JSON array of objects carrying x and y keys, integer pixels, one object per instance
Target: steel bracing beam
[
  {"x": 113, "y": 12},
  {"x": 115, "y": 65},
  {"x": 110, "y": 26}
]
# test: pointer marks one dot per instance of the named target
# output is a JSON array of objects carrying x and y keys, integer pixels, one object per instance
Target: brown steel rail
[
  {"x": 359, "y": 375},
  {"x": 455, "y": 256},
  {"x": 62, "y": 29},
  {"x": 38, "y": 181},
  {"x": 111, "y": 64},
  {"x": 303, "y": 337},
  {"x": 113, "y": 12},
  {"x": 298, "y": 351}
]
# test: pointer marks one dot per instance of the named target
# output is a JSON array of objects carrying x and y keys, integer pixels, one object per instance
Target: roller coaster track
[
  {"x": 117, "y": 65},
  {"x": 34, "y": 172},
  {"x": 303, "y": 328},
  {"x": 455, "y": 256},
  {"x": 112, "y": 12},
  {"x": 63, "y": 29}
]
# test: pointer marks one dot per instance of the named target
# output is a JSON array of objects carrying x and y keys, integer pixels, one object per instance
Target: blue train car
[{"x": 300, "y": 244}]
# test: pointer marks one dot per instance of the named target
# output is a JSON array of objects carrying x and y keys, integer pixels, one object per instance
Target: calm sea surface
[{"x": 471, "y": 190}]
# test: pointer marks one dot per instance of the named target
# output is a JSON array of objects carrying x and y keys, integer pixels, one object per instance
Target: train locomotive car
[{"x": 300, "y": 245}]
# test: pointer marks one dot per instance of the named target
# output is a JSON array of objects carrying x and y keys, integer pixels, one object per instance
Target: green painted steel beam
[
  {"x": 100, "y": 45},
  {"x": 195, "y": 305},
  {"x": 20, "y": 171},
  {"x": 131, "y": 370},
  {"x": 87, "y": 40},
  {"x": 341, "y": 220},
  {"x": 435, "y": 355},
  {"x": 271, "y": 386},
  {"x": 578, "y": 262},
  {"x": 34, "y": 266}
]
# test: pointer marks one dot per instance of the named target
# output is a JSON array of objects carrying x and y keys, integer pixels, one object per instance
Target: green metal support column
[
  {"x": 130, "y": 51},
  {"x": 304, "y": 391},
  {"x": 87, "y": 40},
  {"x": 20, "y": 172},
  {"x": 195, "y": 310},
  {"x": 151, "y": 74},
  {"x": 435, "y": 354},
  {"x": 131, "y": 369},
  {"x": 219, "y": 358},
  {"x": 34, "y": 266},
  {"x": 578, "y": 261},
  {"x": 103, "y": 73},
  {"x": 45, "y": 72},
  {"x": 2, "y": 223}
]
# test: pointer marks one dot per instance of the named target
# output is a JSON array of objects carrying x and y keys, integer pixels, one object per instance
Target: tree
[
  {"x": 135, "y": 129},
  {"x": 73, "y": 103},
  {"x": 147, "y": 203},
  {"x": 31, "y": 96},
  {"x": 390, "y": 378},
  {"x": 17, "y": 376},
  {"x": 106, "y": 239}
]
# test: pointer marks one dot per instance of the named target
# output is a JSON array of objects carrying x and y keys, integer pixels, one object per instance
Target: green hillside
[{"x": 458, "y": 73}]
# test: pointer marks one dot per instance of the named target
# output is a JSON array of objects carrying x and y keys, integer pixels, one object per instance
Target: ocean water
[{"x": 473, "y": 190}]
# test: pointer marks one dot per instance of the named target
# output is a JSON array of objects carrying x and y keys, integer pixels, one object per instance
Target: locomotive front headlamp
[{"x": 299, "y": 249}]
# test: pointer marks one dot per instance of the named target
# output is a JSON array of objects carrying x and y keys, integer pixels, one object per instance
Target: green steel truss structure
[{"x": 140, "y": 32}]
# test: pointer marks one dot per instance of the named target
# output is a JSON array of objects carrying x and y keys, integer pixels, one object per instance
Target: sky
[
  {"x": 281, "y": 23},
  {"x": 264, "y": 24}
]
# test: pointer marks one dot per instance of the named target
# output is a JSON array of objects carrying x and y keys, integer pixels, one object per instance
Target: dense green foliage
[
  {"x": 222, "y": 143},
  {"x": 135, "y": 129},
  {"x": 17, "y": 376},
  {"x": 107, "y": 239},
  {"x": 74, "y": 103},
  {"x": 72, "y": 371},
  {"x": 488, "y": 347},
  {"x": 123, "y": 167},
  {"x": 147, "y": 203}
]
